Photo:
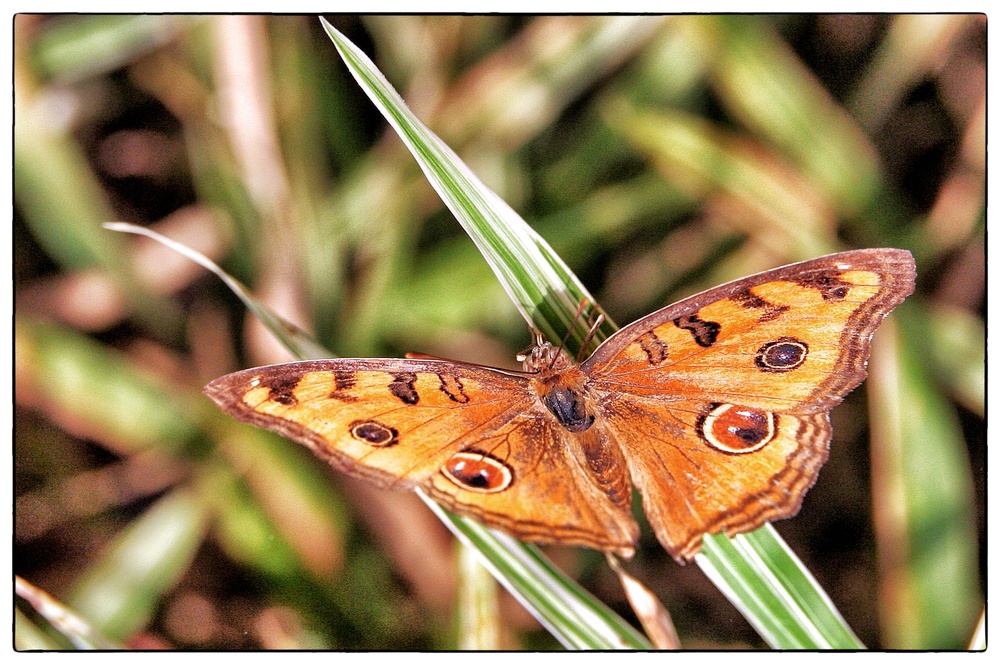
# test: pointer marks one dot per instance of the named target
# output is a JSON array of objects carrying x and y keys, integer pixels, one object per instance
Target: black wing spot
[
  {"x": 654, "y": 348},
  {"x": 704, "y": 332},
  {"x": 281, "y": 389},
  {"x": 749, "y": 300},
  {"x": 829, "y": 285},
  {"x": 403, "y": 387},
  {"x": 343, "y": 381}
]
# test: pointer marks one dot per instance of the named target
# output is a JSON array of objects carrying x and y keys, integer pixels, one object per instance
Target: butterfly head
[{"x": 543, "y": 357}]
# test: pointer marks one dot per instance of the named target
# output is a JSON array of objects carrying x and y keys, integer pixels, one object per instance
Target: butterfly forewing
[
  {"x": 791, "y": 339},
  {"x": 357, "y": 414}
]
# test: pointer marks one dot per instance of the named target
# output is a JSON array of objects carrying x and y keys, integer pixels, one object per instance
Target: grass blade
[
  {"x": 542, "y": 287},
  {"x": 547, "y": 294},
  {"x": 570, "y": 613},
  {"x": 77, "y": 630},
  {"x": 771, "y": 588},
  {"x": 297, "y": 341}
]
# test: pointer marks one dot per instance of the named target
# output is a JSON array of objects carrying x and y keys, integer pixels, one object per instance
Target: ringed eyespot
[
  {"x": 737, "y": 429},
  {"x": 782, "y": 355},
  {"x": 374, "y": 433},
  {"x": 478, "y": 472}
]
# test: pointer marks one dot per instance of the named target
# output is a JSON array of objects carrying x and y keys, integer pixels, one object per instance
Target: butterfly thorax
[{"x": 561, "y": 386}]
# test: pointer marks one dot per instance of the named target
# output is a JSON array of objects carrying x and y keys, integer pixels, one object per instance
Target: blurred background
[{"x": 658, "y": 156}]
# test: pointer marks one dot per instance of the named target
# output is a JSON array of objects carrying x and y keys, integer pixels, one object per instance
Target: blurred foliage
[{"x": 657, "y": 155}]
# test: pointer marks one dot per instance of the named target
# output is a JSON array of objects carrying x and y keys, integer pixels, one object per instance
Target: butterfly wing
[
  {"x": 720, "y": 402},
  {"x": 475, "y": 439}
]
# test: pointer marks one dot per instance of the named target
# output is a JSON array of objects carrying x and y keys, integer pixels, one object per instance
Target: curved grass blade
[
  {"x": 297, "y": 341},
  {"x": 767, "y": 583},
  {"x": 569, "y": 612},
  {"x": 542, "y": 287},
  {"x": 548, "y": 294}
]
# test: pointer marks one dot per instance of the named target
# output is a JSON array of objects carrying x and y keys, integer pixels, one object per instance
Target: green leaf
[
  {"x": 120, "y": 593},
  {"x": 548, "y": 295},
  {"x": 767, "y": 583}
]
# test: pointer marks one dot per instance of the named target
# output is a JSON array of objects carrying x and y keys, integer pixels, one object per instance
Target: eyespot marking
[
  {"x": 782, "y": 355},
  {"x": 737, "y": 429},
  {"x": 374, "y": 433},
  {"x": 478, "y": 472}
]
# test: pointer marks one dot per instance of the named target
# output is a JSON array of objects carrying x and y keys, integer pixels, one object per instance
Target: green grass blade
[
  {"x": 924, "y": 499},
  {"x": 82, "y": 47},
  {"x": 297, "y": 341},
  {"x": 542, "y": 287},
  {"x": 65, "y": 369},
  {"x": 768, "y": 584},
  {"x": 477, "y": 609},
  {"x": 570, "y": 613},
  {"x": 121, "y": 591},
  {"x": 529, "y": 271}
]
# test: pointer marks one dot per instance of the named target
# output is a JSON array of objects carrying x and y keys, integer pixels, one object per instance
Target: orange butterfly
[{"x": 716, "y": 408}]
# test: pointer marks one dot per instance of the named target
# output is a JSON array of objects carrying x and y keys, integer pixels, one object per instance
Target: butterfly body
[{"x": 714, "y": 408}]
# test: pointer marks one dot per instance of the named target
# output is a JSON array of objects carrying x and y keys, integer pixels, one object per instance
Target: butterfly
[{"x": 715, "y": 408}]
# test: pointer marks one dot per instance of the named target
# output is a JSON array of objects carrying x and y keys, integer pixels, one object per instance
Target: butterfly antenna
[
  {"x": 576, "y": 319},
  {"x": 590, "y": 335}
]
